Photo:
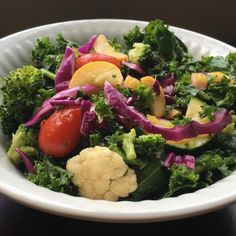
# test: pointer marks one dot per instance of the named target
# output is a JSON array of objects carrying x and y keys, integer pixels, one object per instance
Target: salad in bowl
[{"x": 133, "y": 121}]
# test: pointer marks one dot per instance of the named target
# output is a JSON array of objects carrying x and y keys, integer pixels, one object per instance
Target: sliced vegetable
[
  {"x": 96, "y": 73},
  {"x": 192, "y": 129},
  {"x": 199, "y": 80},
  {"x": 102, "y": 46},
  {"x": 91, "y": 57},
  {"x": 131, "y": 82},
  {"x": 159, "y": 105}
]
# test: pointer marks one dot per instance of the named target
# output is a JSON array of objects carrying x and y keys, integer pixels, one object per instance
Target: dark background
[{"x": 210, "y": 17}]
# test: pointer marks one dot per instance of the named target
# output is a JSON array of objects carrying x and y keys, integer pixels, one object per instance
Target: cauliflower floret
[{"x": 101, "y": 173}]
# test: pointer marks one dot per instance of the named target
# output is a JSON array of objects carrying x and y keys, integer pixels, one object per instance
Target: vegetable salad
[{"x": 141, "y": 120}]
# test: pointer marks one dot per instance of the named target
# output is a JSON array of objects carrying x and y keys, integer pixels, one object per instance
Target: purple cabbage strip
[
  {"x": 168, "y": 84},
  {"x": 169, "y": 99},
  {"x": 28, "y": 165},
  {"x": 88, "y": 117},
  {"x": 66, "y": 102},
  {"x": 156, "y": 87},
  {"x": 89, "y": 89},
  {"x": 87, "y": 47},
  {"x": 62, "y": 86},
  {"x": 118, "y": 102},
  {"x": 47, "y": 107},
  {"x": 134, "y": 66},
  {"x": 67, "y": 67},
  {"x": 187, "y": 160}
]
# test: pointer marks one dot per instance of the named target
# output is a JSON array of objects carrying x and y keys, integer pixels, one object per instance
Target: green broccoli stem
[
  {"x": 48, "y": 74},
  {"x": 128, "y": 144}
]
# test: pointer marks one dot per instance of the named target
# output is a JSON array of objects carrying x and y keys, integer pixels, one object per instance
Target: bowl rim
[{"x": 33, "y": 201}]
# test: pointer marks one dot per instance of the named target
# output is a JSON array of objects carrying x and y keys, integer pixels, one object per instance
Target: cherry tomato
[
  {"x": 91, "y": 57},
  {"x": 60, "y": 133}
]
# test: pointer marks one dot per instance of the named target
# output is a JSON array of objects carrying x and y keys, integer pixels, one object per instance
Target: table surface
[
  {"x": 15, "y": 218},
  {"x": 207, "y": 17}
]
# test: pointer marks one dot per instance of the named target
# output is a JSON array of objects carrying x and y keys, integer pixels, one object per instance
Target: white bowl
[{"x": 15, "y": 51}]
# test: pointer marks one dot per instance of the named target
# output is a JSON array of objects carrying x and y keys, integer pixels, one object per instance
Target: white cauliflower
[{"x": 101, "y": 173}]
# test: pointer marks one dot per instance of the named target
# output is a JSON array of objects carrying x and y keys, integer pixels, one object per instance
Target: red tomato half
[
  {"x": 60, "y": 133},
  {"x": 91, "y": 57}
]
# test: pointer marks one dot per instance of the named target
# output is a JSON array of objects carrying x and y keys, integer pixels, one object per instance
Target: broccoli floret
[
  {"x": 128, "y": 144},
  {"x": 142, "y": 54},
  {"x": 20, "y": 96},
  {"x": 145, "y": 97},
  {"x": 147, "y": 146},
  {"x": 52, "y": 177},
  {"x": 181, "y": 176},
  {"x": 26, "y": 140}
]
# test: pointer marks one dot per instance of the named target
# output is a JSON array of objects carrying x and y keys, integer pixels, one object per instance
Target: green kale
[
  {"x": 115, "y": 44},
  {"x": 102, "y": 108},
  {"x": 145, "y": 97},
  {"x": 49, "y": 55},
  {"x": 181, "y": 175},
  {"x": 184, "y": 91},
  {"x": 182, "y": 121},
  {"x": 213, "y": 165},
  {"x": 208, "y": 111},
  {"x": 52, "y": 177},
  {"x": 223, "y": 93},
  {"x": 151, "y": 179},
  {"x": 125, "y": 91},
  {"x": 20, "y": 94},
  {"x": 148, "y": 146},
  {"x": 95, "y": 139},
  {"x": 26, "y": 140},
  {"x": 134, "y": 36},
  {"x": 168, "y": 46}
]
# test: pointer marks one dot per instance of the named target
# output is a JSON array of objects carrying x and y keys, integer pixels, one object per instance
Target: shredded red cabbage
[
  {"x": 134, "y": 66},
  {"x": 118, "y": 102},
  {"x": 89, "y": 89},
  {"x": 70, "y": 101},
  {"x": 187, "y": 160},
  {"x": 47, "y": 107},
  {"x": 62, "y": 86},
  {"x": 168, "y": 84},
  {"x": 88, "y": 117},
  {"x": 28, "y": 165},
  {"x": 156, "y": 87},
  {"x": 86, "y": 48},
  {"x": 67, "y": 67}
]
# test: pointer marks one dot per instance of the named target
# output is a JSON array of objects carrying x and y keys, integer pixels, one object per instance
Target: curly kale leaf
[
  {"x": 134, "y": 36},
  {"x": 52, "y": 177},
  {"x": 48, "y": 55},
  {"x": 115, "y": 44},
  {"x": 101, "y": 107},
  {"x": 181, "y": 175}
]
